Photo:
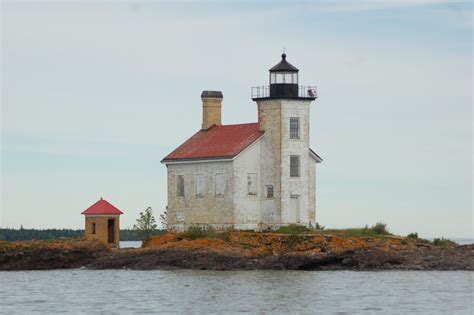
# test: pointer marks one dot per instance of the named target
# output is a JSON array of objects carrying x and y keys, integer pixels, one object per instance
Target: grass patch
[
  {"x": 442, "y": 242},
  {"x": 356, "y": 232},
  {"x": 197, "y": 232},
  {"x": 378, "y": 230},
  {"x": 292, "y": 229}
]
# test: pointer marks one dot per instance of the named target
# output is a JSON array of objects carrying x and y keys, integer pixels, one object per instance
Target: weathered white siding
[
  {"x": 277, "y": 147},
  {"x": 269, "y": 112},
  {"x": 247, "y": 206},
  {"x": 295, "y": 185},
  {"x": 209, "y": 208}
]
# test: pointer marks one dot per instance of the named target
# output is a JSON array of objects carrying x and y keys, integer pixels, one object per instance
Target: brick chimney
[{"x": 211, "y": 108}]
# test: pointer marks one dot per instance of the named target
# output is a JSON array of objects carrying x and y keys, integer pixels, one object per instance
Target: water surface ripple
[{"x": 306, "y": 292}]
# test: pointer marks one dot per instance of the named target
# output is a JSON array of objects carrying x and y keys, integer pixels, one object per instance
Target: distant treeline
[{"x": 35, "y": 234}]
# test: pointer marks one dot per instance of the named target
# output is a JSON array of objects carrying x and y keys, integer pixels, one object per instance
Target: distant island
[
  {"x": 293, "y": 248},
  {"x": 22, "y": 234}
]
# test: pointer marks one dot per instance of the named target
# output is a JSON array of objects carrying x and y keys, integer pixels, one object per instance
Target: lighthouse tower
[{"x": 287, "y": 164}]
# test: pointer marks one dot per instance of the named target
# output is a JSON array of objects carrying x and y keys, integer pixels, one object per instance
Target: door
[
  {"x": 295, "y": 208},
  {"x": 111, "y": 231}
]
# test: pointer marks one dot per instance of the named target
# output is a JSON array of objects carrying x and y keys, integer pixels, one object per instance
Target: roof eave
[
  {"x": 102, "y": 213},
  {"x": 199, "y": 159},
  {"x": 315, "y": 156}
]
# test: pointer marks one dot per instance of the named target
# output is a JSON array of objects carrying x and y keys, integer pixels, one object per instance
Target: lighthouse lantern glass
[{"x": 284, "y": 78}]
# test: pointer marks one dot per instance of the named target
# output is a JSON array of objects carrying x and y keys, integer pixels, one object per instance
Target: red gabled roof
[
  {"x": 102, "y": 207},
  {"x": 217, "y": 142}
]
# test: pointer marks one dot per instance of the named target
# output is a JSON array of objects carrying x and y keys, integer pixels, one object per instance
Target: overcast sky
[{"x": 95, "y": 94}]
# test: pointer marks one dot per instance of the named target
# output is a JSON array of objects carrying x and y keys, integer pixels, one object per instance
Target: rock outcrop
[
  {"x": 242, "y": 251},
  {"x": 54, "y": 254}
]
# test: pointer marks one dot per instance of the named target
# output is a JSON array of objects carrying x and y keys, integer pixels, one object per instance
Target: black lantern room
[
  {"x": 284, "y": 84},
  {"x": 284, "y": 79}
]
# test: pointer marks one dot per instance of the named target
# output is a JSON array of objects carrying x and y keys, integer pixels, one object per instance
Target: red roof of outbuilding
[
  {"x": 102, "y": 207},
  {"x": 217, "y": 142}
]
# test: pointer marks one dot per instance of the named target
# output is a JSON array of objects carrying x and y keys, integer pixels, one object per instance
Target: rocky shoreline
[
  {"x": 240, "y": 251},
  {"x": 460, "y": 258}
]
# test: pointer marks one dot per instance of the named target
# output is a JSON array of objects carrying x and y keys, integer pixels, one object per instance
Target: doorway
[
  {"x": 111, "y": 230},
  {"x": 295, "y": 208}
]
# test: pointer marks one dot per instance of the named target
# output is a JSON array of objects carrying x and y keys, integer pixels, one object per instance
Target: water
[
  {"x": 130, "y": 244},
  {"x": 186, "y": 291}
]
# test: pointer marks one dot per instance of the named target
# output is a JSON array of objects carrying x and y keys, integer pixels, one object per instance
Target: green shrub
[
  {"x": 355, "y": 232},
  {"x": 380, "y": 228},
  {"x": 413, "y": 235},
  {"x": 197, "y": 232},
  {"x": 443, "y": 242},
  {"x": 319, "y": 226}
]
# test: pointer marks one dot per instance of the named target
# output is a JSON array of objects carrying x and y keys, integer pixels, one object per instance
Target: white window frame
[
  {"x": 298, "y": 129},
  {"x": 280, "y": 78}
]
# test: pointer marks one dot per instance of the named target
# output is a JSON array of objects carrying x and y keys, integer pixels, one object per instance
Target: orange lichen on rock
[
  {"x": 50, "y": 254},
  {"x": 262, "y": 243},
  {"x": 158, "y": 240},
  {"x": 56, "y": 244}
]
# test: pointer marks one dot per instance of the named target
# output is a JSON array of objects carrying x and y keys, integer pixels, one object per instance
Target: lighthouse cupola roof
[{"x": 284, "y": 66}]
